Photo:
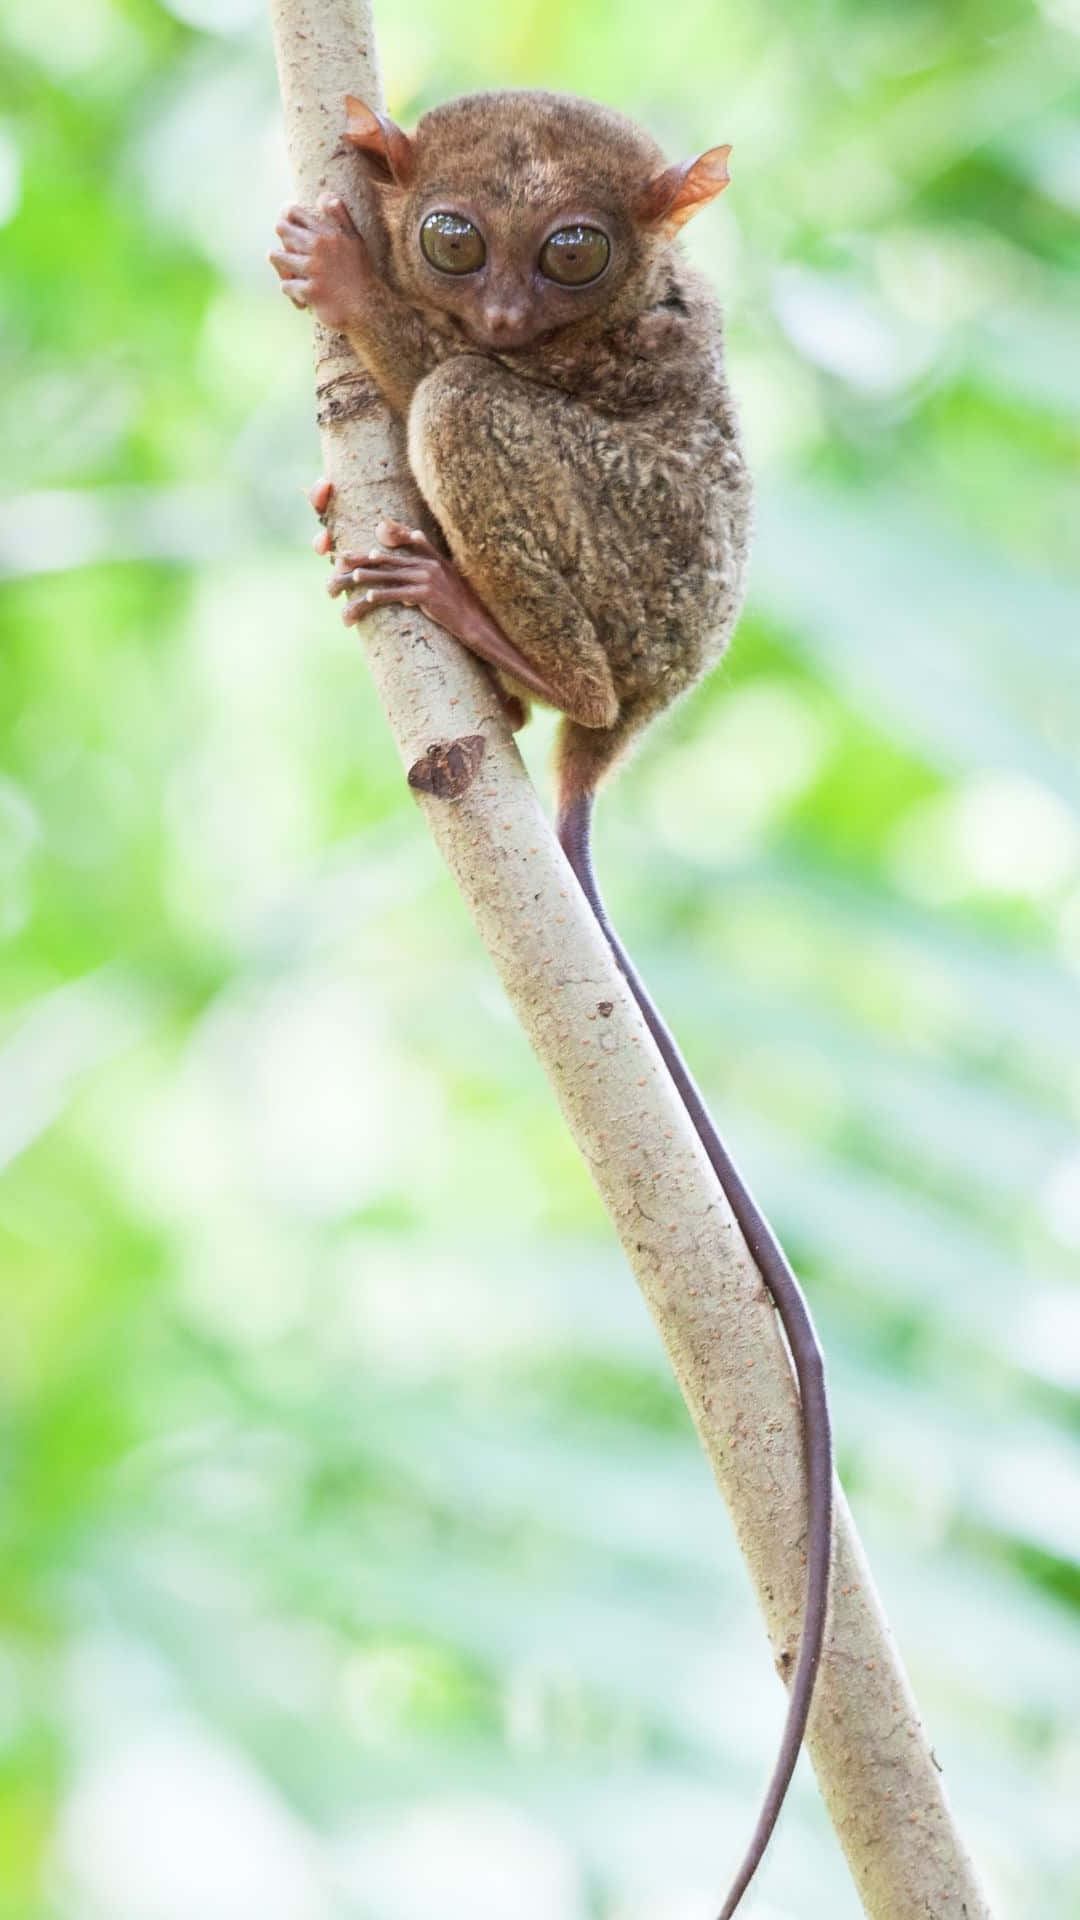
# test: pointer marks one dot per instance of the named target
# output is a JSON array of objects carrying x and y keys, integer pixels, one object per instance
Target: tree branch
[{"x": 869, "y": 1749}]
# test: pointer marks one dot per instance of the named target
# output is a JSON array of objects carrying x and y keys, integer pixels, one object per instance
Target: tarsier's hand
[{"x": 323, "y": 263}]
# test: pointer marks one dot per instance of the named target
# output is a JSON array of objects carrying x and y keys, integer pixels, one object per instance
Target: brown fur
[{"x": 590, "y": 483}]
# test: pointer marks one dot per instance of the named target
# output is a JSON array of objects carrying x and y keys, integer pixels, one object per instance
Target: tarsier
[{"x": 559, "y": 369}]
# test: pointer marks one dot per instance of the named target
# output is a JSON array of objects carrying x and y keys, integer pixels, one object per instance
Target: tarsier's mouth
[{"x": 512, "y": 343}]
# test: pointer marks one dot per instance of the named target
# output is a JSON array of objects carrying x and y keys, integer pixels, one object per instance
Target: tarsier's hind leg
[
  {"x": 407, "y": 570},
  {"x": 480, "y": 505}
]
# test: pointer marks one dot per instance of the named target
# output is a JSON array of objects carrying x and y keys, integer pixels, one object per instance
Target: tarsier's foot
[
  {"x": 407, "y": 570},
  {"x": 322, "y": 262},
  {"x": 412, "y": 574},
  {"x": 320, "y": 496}
]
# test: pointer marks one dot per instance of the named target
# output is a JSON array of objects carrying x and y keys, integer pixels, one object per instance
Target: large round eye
[
  {"x": 452, "y": 243},
  {"x": 575, "y": 255}
]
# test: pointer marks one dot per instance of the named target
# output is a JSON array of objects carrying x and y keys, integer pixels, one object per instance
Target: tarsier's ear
[
  {"x": 672, "y": 197},
  {"x": 389, "y": 148}
]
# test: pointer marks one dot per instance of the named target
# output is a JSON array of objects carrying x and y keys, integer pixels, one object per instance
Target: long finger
[
  {"x": 298, "y": 215},
  {"x": 359, "y": 608},
  {"x": 334, "y": 207},
  {"x": 387, "y": 577},
  {"x": 348, "y": 578},
  {"x": 292, "y": 234},
  {"x": 394, "y": 533},
  {"x": 378, "y": 557},
  {"x": 291, "y": 266},
  {"x": 298, "y": 291},
  {"x": 321, "y": 494}
]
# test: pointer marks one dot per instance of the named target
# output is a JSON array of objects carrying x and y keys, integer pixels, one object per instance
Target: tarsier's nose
[{"x": 507, "y": 322}]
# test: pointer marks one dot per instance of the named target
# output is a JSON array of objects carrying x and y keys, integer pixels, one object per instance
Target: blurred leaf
[{"x": 348, "y": 1504}]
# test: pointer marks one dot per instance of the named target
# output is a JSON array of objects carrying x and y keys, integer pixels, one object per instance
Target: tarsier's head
[{"x": 521, "y": 214}]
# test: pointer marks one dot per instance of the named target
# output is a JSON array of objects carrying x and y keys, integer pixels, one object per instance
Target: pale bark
[{"x": 869, "y": 1748}]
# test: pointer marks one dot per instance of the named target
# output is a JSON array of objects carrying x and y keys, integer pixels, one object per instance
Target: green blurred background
[{"x": 357, "y": 1561}]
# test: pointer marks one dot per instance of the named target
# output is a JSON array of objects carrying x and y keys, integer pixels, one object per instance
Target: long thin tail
[{"x": 573, "y": 827}]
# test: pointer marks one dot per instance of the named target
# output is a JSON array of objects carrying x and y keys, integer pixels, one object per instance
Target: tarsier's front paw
[{"x": 322, "y": 262}]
